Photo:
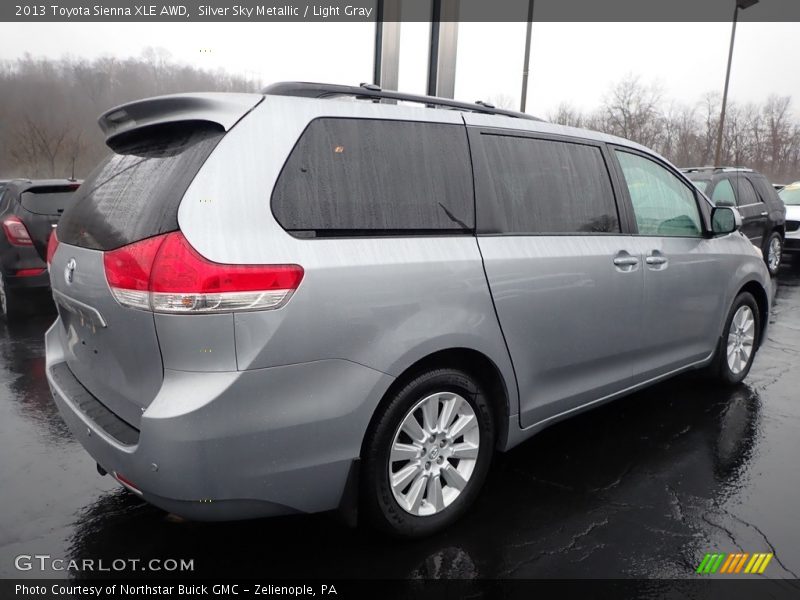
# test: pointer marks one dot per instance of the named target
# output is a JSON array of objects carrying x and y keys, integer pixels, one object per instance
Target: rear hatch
[
  {"x": 133, "y": 195},
  {"x": 42, "y": 207}
]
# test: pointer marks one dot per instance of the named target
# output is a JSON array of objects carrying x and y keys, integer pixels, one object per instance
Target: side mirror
[{"x": 725, "y": 220}]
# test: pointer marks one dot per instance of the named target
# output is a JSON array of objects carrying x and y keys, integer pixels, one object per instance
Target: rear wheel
[
  {"x": 738, "y": 343},
  {"x": 9, "y": 301},
  {"x": 773, "y": 254},
  {"x": 427, "y": 454}
]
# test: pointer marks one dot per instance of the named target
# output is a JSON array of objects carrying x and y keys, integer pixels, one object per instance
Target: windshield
[{"x": 791, "y": 194}]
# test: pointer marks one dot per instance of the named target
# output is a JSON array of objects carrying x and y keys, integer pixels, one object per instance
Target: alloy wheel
[
  {"x": 434, "y": 453},
  {"x": 774, "y": 254},
  {"x": 741, "y": 337}
]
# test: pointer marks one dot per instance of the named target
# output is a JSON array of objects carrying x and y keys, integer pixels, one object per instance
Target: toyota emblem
[{"x": 69, "y": 271}]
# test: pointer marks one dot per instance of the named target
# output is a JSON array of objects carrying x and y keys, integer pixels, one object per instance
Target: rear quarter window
[
  {"x": 135, "y": 192},
  {"x": 348, "y": 177}
]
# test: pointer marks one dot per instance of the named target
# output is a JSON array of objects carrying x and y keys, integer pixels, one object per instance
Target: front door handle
[
  {"x": 656, "y": 260},
  {"x": 764, "y": 214}
]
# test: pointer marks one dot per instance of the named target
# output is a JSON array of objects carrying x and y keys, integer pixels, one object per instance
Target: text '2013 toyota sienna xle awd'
[{"x": 289, "y": 302}]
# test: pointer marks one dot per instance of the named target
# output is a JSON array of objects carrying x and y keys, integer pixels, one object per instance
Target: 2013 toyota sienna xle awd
[{"x": 310, "y": 299}]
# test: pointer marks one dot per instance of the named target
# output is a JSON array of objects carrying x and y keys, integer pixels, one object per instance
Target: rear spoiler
[{"x": 222, "y": 109}]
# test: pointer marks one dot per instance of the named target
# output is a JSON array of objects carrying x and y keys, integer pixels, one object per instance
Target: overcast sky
[{"x": 570, "y": 62}]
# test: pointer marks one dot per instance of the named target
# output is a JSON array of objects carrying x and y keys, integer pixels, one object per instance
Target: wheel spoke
[
  {"x": 412, "y": 428},
  {"x": 415, "y": 495},
  {"x": 430, "y": 414},
  {"x": 449, "y": 411},
  {"x": 464, "y": 424},
  {"x": 402, "y": 451},
  {"x": 434, "y": 495},
  {"x": 749, "y": 326},
  {"x": 743, "y": 357},
  {"x": 465, "y": 450},
  {"x": 401, "y": 479},
  {"x": 453, "y": 478}
]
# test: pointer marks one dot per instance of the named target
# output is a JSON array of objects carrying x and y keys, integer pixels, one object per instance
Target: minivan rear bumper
[{"x": 233, "y": 445}]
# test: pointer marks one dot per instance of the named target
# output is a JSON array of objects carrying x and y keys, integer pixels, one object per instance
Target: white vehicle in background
[{"x": 790, "y": 195}]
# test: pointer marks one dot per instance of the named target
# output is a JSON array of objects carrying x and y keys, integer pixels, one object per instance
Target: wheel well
[
  {"x": 470, "y": 361},
  {"x": 760, "y": 294}
]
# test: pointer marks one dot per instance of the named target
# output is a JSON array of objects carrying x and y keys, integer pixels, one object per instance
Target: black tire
[
  {"x": 378, "y": 503},
  {"x": 773, "y": 267},
  {"x": 10, "y": 304},
  {"x": 719, "y": 370}
]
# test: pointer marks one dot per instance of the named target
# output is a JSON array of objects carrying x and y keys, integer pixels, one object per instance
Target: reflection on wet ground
[{"x": 643, "y": 487}]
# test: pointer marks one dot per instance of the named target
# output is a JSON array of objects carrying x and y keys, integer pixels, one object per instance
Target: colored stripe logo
[{"x": 734, "y": 563}]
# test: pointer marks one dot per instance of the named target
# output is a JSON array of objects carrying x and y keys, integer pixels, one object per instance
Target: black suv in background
[
  {"x": 763, "y": 212},
  {"x": 29, "y": 210}
]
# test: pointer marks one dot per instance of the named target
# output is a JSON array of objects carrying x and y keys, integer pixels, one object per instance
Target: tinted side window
[
  {"x": 662, "y": 203},
  {"x": 747, "y": 195},
  {"x": 723, "y": 194},
  {"x": 368, "y": 177},
  {"x": 547, "y": 186}
]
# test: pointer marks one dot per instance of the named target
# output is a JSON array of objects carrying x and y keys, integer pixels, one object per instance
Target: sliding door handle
[{"x": 625, "y": 262}]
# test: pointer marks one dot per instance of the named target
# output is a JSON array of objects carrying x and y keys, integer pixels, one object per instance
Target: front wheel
[
  {"x": 427, "y": 454},
  {"x": 738, "y": 343},
  {"x": 774, "y": 251}
]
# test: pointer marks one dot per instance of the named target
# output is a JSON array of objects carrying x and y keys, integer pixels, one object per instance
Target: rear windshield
[
  {"x": 701, "y": 184},
  {"x": 135, "y": 192},
  {"x": 51, "y": 200}
]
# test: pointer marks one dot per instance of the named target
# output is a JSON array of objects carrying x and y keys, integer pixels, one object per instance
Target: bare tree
[
  {"x": 631, "y": 111},
  {"x": 37, "y": 146},
  {"x": 566, "y": 114},
  {"x": 49, "y": 109},
  {"x": 503, "y": 101}
]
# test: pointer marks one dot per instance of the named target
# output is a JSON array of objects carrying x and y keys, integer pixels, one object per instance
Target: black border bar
[{"x": 369, "y": 11}]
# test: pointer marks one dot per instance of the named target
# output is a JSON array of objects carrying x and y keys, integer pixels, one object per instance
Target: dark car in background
[
  {"x": 763, "y": 212},
  {"x": 790, "y": 195},
  {"x": 29, "y": 210}
]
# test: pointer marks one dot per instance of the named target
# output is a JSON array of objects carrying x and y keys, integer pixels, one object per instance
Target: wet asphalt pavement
[{"x": 642, "y": 487}]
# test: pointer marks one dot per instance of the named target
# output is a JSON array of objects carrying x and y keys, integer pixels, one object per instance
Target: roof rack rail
[
  {"x": 369, "y": 91},
  {"x": 729, "y": 169}
]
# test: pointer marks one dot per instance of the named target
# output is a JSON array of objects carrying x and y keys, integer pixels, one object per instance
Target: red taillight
[
  {"x": 165, "y": 274},
  {"x": 52, "y": 246},
  {"x": 29, "y": 272},
  {"x": 16, "y": 232}
]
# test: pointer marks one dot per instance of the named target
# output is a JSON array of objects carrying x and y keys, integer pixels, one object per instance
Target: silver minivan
[{"x": 329, "y": 297}]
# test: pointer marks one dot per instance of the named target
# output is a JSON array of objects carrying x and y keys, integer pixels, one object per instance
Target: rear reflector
[
  {"x": 128, "y": 484},
  {"x": 165, "y": 274},
  {"x": 29, "y": 272},
  {"x": 16, "y": 232},
  {"x": 52, "y": 246}
]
